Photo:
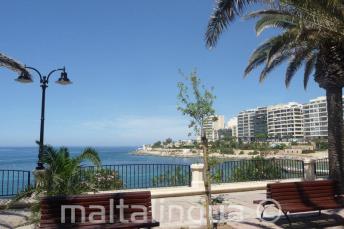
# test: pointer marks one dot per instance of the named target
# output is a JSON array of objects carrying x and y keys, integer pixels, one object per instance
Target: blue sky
[{"x": 123, "y": 57}]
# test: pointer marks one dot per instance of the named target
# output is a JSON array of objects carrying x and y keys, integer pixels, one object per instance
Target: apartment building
[
  {"x": 212, "y": 125},
  {"x": 232, "y": 124},
  {"x": 260, "y": 122},
  {"x": 315, "y": 118},
  {"x": 246, "y": 125},
  {"x": 285, "y": 120}
]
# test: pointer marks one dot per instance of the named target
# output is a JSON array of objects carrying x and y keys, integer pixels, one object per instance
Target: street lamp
[{"x": 44, "y": 81}]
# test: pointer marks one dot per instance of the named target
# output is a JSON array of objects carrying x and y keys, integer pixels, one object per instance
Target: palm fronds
[{"x": 12, "y": 64}]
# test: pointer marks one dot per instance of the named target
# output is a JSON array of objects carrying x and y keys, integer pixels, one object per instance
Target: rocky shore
[{"x": 238, "y": 154}]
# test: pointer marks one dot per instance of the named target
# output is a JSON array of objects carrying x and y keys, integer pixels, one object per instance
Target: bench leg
[
  {"x": 319, "y": 212},
  {"x": 287, "y": 217},
  {"x": 262, "y": 214}
]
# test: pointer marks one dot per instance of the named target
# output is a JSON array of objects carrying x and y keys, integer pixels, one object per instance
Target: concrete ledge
[{"x": 216, "y": 189}]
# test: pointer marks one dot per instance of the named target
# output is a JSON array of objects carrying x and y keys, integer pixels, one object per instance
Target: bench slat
[{"x": 51, "y": 210}]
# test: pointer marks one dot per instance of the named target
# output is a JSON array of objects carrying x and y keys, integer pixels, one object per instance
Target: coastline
[{"x": 187, "y": 153}]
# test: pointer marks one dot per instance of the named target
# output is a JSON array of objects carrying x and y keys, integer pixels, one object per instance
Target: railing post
[
  {"x": 29, "y": 179},
  {"x": 309, "y": 169},
  {"x": 197, "y": 180}
]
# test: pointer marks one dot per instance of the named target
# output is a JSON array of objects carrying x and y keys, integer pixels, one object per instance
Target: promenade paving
[
  {"x": 184, "y": 212},
  {"x": 241, "y": 202}
]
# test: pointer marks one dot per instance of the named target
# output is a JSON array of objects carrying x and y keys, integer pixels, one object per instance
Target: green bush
[
  {"x": 227, "y": 151},
  {"x": 258, "y": 168},
  {"x": 281, "y": 146},
  {"x": 172, "y": 178},
  {"x": 157, "y": 144},
  {"x": 104, "y": 179},
  {"x": 307, "y": 151},
  {"x": 322, "y": 146},
  {"x": 241, "y": 152},
  {"x": 255, "y": 152}
]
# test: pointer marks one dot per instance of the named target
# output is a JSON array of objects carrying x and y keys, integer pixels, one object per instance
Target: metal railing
[
  {"x": 13, "y": 182},
  {"x": 133, "y": 176},
  {"x": 322, "y": 167},
  {"x": 256, "y": 170}
]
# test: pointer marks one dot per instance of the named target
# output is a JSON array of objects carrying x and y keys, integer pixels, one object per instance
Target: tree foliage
[
  {"x": 195, "y": 101},
  {"x": 62, "y": 176}
]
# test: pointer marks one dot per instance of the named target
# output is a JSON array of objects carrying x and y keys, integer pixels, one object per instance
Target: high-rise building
[
  {"x": 212, "y": 125},
  {"x": 225, "y": 133},
  {"x": 252, "y": 123},
  {"x": 246, "y": 125},
  {"x": 232, "y": 124},
  {"x": 285, "y": 120},
  {"x": 260, "y": 122},
  {"x": 315, "y": 118}
]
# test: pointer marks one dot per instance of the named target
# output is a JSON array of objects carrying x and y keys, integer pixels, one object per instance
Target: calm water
[{"x": 25, "y": 158}]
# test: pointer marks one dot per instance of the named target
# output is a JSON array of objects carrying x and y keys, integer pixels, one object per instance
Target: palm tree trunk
[
  {"x": 335, "y": 135},
  {"x": 207, "y": 182}
]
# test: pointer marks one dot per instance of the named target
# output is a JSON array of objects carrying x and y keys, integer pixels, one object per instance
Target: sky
[{"x": 123, "y": 58}]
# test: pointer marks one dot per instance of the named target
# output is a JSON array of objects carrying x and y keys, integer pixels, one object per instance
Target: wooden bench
[
  {"x": 137, "y": 213},
  {"x": 296, "y": 197}
]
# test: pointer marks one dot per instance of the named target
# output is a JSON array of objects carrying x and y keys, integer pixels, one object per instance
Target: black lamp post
[{"x": 44, "y": 81}]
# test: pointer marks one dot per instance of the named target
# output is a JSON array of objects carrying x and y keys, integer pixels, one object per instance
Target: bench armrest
[{"x": 265, "y": 202}]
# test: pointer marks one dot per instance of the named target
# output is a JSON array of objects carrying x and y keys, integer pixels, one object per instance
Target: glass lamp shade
[
  {"x": 24, "y": 78},
  {"x": 63, "y": 80}
]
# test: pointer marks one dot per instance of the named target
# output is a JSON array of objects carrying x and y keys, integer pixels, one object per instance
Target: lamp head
[
  {"x": 24, "y": 78},
  {"x": 63, "y": 80}
]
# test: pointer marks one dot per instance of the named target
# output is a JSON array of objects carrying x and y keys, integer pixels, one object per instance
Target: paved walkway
[
  {"x": 13, "y": 218},
  {"x": 186, "y": 212},
  {"x": 240, "y": 211}
]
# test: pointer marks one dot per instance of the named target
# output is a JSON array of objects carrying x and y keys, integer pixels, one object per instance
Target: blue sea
[
  {"x": 25, "y": 158},
  {"x": 16, "y": 164}
]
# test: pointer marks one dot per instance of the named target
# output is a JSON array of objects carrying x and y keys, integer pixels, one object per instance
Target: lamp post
[{"x": 44, "y": 81}]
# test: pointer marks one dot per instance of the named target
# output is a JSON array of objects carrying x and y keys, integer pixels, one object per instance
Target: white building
[
  {"x": 246, "y": 125},
  {"x": 315, "y": 118},
  {"x": 285, "y": 120},
  {"x": 212, "y": 125},
  {"x": 233, "y": 125}
]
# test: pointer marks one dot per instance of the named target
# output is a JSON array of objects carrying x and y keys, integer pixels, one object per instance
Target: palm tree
[
  {"x": 12, "y": 64},
  {"x": 311, "y": 35},
  {"x": 62, "y": 176}
]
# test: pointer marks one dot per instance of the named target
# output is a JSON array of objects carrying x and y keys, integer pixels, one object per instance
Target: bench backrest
[
  {"x": 301, "y": 191},
  {"x": 51, "y": 211}
]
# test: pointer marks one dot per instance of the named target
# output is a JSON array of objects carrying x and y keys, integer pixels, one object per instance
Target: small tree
[
  {"x": 157, "y": 144},
  {"x": 168, "y": 141},
  {"x": 197, "y": 103}
]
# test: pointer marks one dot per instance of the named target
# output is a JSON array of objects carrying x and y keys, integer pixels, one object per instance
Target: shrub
[
  {"x": 258, "y": 168},
  {"x": 241, "y": 152},
  {"x": 255, "y": 152},
  {"x": 227, "y": 151},
  {"x": 307, "y": 151},
  {"x": 172, "y": 178},
  {"x": 157, "y": 144},
  {"x": 103, "y": 179}
]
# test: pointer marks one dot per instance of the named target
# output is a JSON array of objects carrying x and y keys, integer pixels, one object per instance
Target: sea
[
  {"x": 17, "y": 164},
  {"x": 25, "y": 158}
]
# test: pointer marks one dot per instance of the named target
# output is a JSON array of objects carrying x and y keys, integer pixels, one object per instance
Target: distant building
[
  {"x": 285, "y": 121},
  {"x": 212, "y": 125},
  {"x": 225, "y": 133},
  {"x": 315, "y": 118},
  {"x": 246, "y": 125},
  {"x": 232, "y": 124},
  {"x": 260, "y": 122}
]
